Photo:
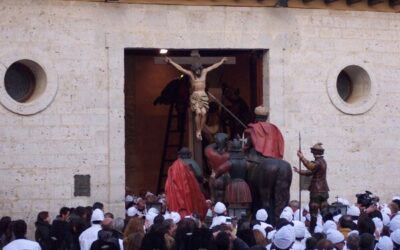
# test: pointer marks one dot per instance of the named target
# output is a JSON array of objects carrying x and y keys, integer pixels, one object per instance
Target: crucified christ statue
[{"x": 198, "y": 97}]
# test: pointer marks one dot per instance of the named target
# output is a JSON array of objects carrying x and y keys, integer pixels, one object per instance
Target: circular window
[
  {"x": 351, "y": 89},
  {"x": 20, "y": 82},
  {"x": 27, "y": 88}
]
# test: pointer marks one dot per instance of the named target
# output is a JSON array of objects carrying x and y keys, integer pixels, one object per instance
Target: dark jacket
[
  {"x": 42, "y": 235},
  {"x": 60, "y": 235}
]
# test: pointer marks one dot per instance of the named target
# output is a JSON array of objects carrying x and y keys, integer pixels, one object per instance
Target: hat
[
  {"x": 386, "y": 210},
  {"x": 343, "y": 201},
  {"x": 378, "y": 224},
  {"x": 175, "y": 217},
  {"x": 353, "y": 211},
  {"x": 394, "y": 223},
  {"x": 261, "y": 111},
  {"x": 150, "y": 218},
  {"x": 329, "y": 225},
  {"x": 284, "y": 237},
  {"x": 287, "y": 215},
  {"x": 336, "y": 218},
  {"x": 317, "y": 149},
  {"x": 97, "y": 215},
  {"x": 129, "y": 198},
  {"x": 153, "y": 210},
  {"x": 261, "y": 229},
  {"x": 219, "y": 208},
  {"x": 355, "y": 232},
  {"x": 132, "y": 211},
  {"x": 299, "y": 229},
  {"x": 335, "y": 236},
  {"x": 385, "y": 219},
  {"x": 395, "y": 236},
  {"x": 384, "y": 243},
  {"x": 262, "y": 215}
]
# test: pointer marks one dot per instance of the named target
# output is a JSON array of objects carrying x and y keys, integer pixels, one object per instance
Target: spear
[{"x": 300, "y": 179}]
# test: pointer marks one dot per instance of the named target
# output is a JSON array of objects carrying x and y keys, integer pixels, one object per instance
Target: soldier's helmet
[
  {"x": 235, "y": 146},
  {"x": 317, "y": 149}
]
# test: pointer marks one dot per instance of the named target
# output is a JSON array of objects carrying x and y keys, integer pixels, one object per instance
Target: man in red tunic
[
  {"x": 183, "y": 191},
  {"x": 266, "y": 138}
]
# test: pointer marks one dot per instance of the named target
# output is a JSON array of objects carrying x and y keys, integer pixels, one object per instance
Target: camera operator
[{"x": 368, "y": 204}]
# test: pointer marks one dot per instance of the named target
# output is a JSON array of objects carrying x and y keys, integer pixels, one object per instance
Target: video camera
[{"x": 367, "y": 199}]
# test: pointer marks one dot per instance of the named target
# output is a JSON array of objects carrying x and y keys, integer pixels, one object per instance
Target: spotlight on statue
[{"x": 163, "y": 51}]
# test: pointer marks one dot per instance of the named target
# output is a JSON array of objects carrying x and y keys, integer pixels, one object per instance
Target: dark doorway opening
[{"x": 146, "y": 76}]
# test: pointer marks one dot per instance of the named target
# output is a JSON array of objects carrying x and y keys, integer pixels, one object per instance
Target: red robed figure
[
  {"x": 183, "y": 191},
  {"x": 267, "y": 139}
]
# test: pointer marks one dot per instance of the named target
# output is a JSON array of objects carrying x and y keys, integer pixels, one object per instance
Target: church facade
[{"x": 330, "y": 75}]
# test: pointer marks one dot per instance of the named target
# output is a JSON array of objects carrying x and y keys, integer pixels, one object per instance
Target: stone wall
[{"x": 82, "y": 129}]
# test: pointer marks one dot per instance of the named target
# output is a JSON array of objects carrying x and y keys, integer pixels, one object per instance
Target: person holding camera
[{"x": 318, "y": 187}]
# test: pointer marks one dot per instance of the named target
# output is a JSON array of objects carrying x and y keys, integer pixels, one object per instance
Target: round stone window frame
[
  {"x": 48, "y": 83},
  {"x": 364, "y": 104}
]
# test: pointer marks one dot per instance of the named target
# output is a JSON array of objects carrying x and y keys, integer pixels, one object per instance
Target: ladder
[{"x": 171, "y": 146}]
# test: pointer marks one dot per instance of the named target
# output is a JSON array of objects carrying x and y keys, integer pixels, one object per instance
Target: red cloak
[
  {"x": 267, "y": 139},
  {"x": 183, "y": 192}
]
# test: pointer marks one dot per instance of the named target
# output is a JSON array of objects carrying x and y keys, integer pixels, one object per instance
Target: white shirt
[
  {"x": 218, "y": 220},
  {"x": 22, "y": 244},
  {"x": 88, "y": 236}
]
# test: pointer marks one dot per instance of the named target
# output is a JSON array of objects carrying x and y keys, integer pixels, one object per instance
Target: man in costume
[
  {"x": 182, "y": 190},
  {"x": 198, "y": 97},
  {"x": 318, "y": 187},
  {"x": 237, "y": 191},
  {"x": 216, "y": 156},
  {"x": 265, "y": 137}
]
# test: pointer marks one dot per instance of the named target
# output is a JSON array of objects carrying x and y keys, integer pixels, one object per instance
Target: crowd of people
[{"x": 148, "y": 225}]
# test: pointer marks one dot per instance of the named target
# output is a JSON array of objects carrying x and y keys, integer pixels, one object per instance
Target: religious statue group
[{"x": 249, "y": 172}]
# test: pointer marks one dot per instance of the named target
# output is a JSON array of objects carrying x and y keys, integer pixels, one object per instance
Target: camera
[{"x": 367, "y": 199}]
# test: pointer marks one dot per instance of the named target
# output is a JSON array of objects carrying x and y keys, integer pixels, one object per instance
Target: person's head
[
  {"x": 317, "y": 150},
  {"x": 259, "y": 236},
  {"x": 5, "y": 222},
  {"x": 353, "y": 241},
  {"x": 64, "y": 213},
  {"x": 221, "y": 140},
  {"x": 184, "y": 153},
  {"x": 81, "y": 212},
  {"x": 109, "y": 215},
  {"x": 169, "y": 227},
  {"x": 366, "y": 241},
  {"x": 324, "y": 244},
  {"x": 346, "y": 222},
  {"x": 135, "y": 225},
  {"x": 97, "y": 216},
  {"x": 19, "y": 229},
  {"x": 223, "y": 241},
  {"x": 261, "y": 114},
  {"x": 43, "y": 217},
  {"x": 294, "y": 205},
  {"x": 366, "y": 225},
  {"x": 220, "y": 208},
  {"x": 107, "y": 224},
  {"x": 98, "y": 205},
  {"x": 394, "y": 208},
  {"x": 196, "y": 69},
  {"x": 311, "y": 243},
  {"x": 140, "y": 204}
]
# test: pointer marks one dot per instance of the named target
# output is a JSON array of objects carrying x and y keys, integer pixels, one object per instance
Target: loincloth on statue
[
  {"x": 237, "y": 191},
  {"x": 318, "y": 197},
  {"x": 198, "y": 100}
]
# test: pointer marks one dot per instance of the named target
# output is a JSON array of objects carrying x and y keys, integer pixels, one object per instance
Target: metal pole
[
  {"x": 227, "y": 110},
  {"x": 300, "y": 212}
]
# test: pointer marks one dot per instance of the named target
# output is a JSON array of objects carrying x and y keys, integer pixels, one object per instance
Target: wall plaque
[{"x": 82, "y": 185}]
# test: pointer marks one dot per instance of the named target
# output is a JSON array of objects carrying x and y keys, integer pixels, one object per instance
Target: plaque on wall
[{"x": 82, "y": 185}]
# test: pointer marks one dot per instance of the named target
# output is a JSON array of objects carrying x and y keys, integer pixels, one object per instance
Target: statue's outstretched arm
[
  {"x": 216, "y": 65},
  {"x": 179, "y": 67},
  {"x": 223, "y": 168}
]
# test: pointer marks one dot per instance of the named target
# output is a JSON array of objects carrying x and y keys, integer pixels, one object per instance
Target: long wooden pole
[{"x": 300, "y": 212}]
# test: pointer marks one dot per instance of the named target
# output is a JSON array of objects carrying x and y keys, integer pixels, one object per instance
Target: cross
[{"x": 195, "y": 57}]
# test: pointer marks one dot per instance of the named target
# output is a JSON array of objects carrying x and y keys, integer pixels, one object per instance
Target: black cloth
[
  {"x": 239, "y": 244},
  {"x": 60, "y": 235},
  {"x": 42, "y": 235}
]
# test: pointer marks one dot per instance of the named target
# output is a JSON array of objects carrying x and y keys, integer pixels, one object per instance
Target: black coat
[{"x": 42, "y": 235}]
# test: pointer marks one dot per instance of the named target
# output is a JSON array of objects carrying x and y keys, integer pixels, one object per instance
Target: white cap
[
  {"x": 132, "y": 211},
  {"x": 97, "y": 215},
  {"x": 395, "y": 198},
  {"x": 150, "y": 218},
  {"x": 386, "y": 210},
  {"x": 355, "y": 232},
  {"x": 336, "y": 218},
  {"x": 129, "y": 198},
  {"x": 299, "y": 229},
  {"x": 153, "y": 210},
  {"x": 261, "y": 229},
  {"x": 353, "y": 211},
  {"x": 394, "y": 223},
  {"x": 287, "y": 215},
  {"x": 384, "y": 243},
  {"x": 284, "y": 237},
  {"x": 262, "y": 215},
  {"x": 378, "y": 224},
  {"x": 343, "y": 201},
  {"x": 176, "y": 217},
  {"x": 328, "y": 225},
  {"x": 385, "y": 219},
  {"x": 335, "y": 236},
  {"x": 395, "y": 236},
  {"x": 219, "y": 208},
  {"x": 288, "y": 209}
]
